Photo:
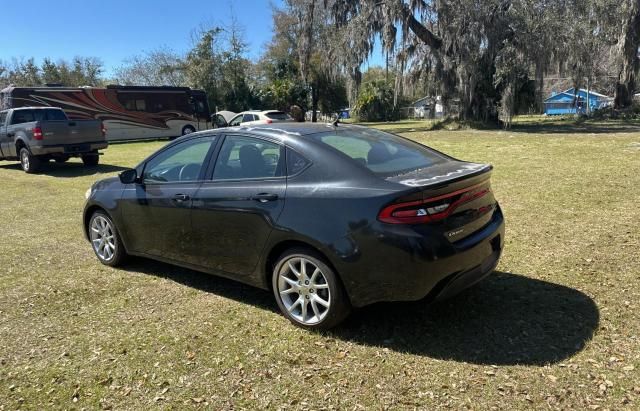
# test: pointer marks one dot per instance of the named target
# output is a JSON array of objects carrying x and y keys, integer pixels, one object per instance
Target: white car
[{"x": 248, "y": 118}]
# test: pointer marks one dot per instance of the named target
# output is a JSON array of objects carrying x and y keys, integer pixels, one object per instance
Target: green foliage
[
  {"x": 81, "y": 71},
  {"x": 375, "y": 102}
]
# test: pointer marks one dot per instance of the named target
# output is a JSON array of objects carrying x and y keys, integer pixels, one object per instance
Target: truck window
[
  {"x": 49, "y": 114},
  {"x": 55, "y": 115},
  {"x": 22, "y": 116}
]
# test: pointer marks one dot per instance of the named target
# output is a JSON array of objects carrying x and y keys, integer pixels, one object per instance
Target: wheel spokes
[{"x": 299, "y": 282}]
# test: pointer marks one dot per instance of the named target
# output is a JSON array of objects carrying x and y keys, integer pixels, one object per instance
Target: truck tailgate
[{"x": 71, "y": 132}]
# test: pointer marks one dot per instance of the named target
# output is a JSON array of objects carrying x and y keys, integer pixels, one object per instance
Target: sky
[{"x": 114, "y": 30}]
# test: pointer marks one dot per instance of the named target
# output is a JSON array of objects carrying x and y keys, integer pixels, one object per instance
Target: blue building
[{"x": 571, "y": 102}]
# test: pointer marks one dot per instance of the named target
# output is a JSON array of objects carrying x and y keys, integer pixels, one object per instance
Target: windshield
[
  {"x": 277, "y": 115},
  {"x": 383, "y": 153}
]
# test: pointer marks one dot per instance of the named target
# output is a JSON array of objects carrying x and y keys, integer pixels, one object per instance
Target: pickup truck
[{"x": 35, "y": 135}]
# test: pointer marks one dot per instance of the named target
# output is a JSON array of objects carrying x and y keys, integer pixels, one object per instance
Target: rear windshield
[
  {"x": 383, "y": 153},
  {"x": 277, "y": 115},
  {"x": 49, "y": 114}
]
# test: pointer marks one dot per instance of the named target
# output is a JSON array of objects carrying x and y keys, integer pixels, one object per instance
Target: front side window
[
  {"x": 247, "y": 157},
  {"x": 382, "y": 153},
  {"x": 180, "y": 163}
]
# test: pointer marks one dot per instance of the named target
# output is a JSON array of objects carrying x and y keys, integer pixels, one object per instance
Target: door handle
[
  {"x": 181, "y": 197},
  {"x": 265, "y": 197}
]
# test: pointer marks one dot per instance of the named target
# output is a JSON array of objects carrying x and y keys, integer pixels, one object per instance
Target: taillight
[
  {"x": 431, "y": 209},
  {"x": 269, "y": 121},
  {"x": 37, "y": 133},
  {"x": 103, "y": 129}
]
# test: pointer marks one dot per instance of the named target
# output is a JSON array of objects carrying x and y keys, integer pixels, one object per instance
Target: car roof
[{"x": 279, "y": 131}]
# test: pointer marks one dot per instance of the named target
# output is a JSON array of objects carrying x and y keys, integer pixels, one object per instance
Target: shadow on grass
[
  {"x": 68, "y": 170},
  {"x": 507, "y": 319}
]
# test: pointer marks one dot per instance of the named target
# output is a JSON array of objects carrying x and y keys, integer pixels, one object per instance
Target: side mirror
[{"x": 129, "y": 176}]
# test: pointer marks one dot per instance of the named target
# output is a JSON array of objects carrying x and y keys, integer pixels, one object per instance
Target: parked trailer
[{"x": 128, "y": 112}]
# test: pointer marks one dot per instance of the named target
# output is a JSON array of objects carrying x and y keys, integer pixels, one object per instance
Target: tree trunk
[
  {"x": 539, "y": 87},
  {"x": 629, "y": 42},
  {"x": 315, "y": 96}
]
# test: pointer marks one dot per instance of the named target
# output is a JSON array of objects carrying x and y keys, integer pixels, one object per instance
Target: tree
[
  {"x": 158, "y": 67},
  {"x": 629, "y": 42}
]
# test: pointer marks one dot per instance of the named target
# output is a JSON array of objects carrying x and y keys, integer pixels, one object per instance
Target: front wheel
[
  {"x": 105, "y": 240},
  {"x": 90, "y": 160},
  {"x": 29, "y": 162},
  {"x": 308, "y": 292}
]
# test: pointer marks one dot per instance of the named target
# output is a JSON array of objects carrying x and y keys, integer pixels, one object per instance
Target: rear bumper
[
  {"x": 405, "y": 265},
  {"x": 69, "y": 149}
]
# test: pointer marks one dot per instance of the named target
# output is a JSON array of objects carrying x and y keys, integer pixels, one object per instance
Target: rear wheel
[
  {"x": 308, "y": 292},
  {"x": 188, "y": 130},
  {"x": 90, "y": 160},
  {"x": 29, "y": 162},
  {"x": 105, "y": 240}
]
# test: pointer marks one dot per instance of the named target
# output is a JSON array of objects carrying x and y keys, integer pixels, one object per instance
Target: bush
[{"x": 375, "y": 102}]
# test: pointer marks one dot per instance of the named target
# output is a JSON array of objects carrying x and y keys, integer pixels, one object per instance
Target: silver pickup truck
[{"x": 35, "y": 135}]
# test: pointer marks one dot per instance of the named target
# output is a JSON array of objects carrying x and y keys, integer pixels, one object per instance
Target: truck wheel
[
  {"x": 30, "y": 163},
  {"x": 90, "y": 160}
]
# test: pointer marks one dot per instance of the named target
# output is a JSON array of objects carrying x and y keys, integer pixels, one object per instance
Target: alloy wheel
[
  {"x": 103, "y": 238},
  {"x": 304, "y": 291}
]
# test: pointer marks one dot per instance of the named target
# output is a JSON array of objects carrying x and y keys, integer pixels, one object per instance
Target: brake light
[
  {"x": 431, "y": 209},
  {"x": 269, "y": 121},
  {"x": 103, "y": 128},
  {"x": 37, "y": 133}
]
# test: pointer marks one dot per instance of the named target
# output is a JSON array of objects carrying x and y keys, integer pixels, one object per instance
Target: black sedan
[{"x": 329, "y": 217}]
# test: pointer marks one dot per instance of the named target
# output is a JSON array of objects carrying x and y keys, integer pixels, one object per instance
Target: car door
[
  {"x": 235, "y": 211},
  {"x": 219, "y": 121},
  {"x": 157, "y": 211},
  {"x": 236, "y": 121}
]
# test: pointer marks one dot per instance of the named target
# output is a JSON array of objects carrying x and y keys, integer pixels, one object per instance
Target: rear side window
[
  {"x": 383, "y": 153},
  {"x": 277, "y": 115},
  {"x": 295, "y": 162},
  {"x": 247, "y": 157}
]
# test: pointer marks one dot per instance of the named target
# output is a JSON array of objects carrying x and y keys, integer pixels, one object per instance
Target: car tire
[
  {"x": 105, "y": 240},
  {"x": 29, "y": 163},
  {"x": 90, "y": 160},
  {"x": 188, "y": 130},
  {"x": 308, "y": 291}
]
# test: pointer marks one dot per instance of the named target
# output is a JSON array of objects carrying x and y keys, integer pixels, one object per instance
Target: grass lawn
[{"x": 555, "y": 327}]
